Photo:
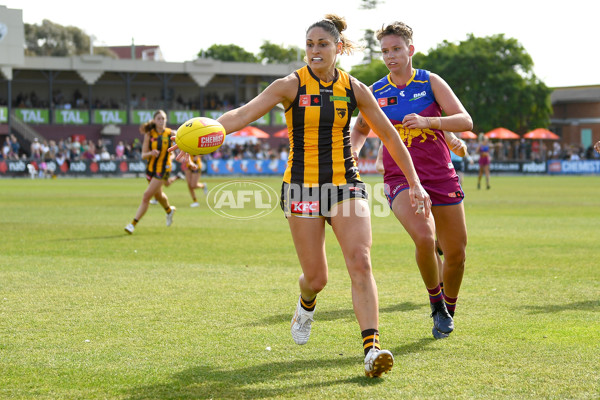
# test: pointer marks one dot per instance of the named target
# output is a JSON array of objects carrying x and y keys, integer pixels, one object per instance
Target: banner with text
[
  {"x": 116, "y": 117},
  {"x": 33, "y": 115},
  {"x": 72, "y": 117}
]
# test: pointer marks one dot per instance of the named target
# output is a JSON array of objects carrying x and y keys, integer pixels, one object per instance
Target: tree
[
  {"x": 51, "y": 39},
  {"x": 272, "y": 53},
  {"x": 371, "y": 45},
  {"x": 369, "y": 4},
  {"x": 228, "y": 52},
  {"x": 369, "y": 37},
  {"x": 369, "y": 73},
  {"x": 494, "y": 80}
]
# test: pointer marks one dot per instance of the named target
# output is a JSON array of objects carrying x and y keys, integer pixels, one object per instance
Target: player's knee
[
  {"x": 318, "y": 283},
  {"x": 424, "y": 242},
  {"x": 359, "y": 265},
  {"x": 455, "y": 258}
]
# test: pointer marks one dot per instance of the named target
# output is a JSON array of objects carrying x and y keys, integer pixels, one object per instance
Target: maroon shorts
[
  {"x": 484, "y": 160},
  {"x": 444, "y": 193}
]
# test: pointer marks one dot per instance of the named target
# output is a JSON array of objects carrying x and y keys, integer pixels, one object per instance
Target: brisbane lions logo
[{"x": 407, "y": 135}]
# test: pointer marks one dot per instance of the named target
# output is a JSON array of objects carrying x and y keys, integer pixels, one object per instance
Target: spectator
[
  {"x": 6, "y": 148},
  {"x": 120, "y": 150},
  {"x": 283, "y": 153},
  {"x": 104, "y": 154},
  {"x": 15, "y": 146}
]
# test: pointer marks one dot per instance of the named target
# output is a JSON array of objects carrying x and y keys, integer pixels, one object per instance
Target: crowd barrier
[{"x": 9, "y": 168}]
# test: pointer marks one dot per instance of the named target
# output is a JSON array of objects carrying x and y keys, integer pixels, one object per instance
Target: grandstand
[{"x": 97, "y": 96}]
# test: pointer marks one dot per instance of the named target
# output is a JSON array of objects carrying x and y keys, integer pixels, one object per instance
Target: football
[{"x": 200, "y": 135}]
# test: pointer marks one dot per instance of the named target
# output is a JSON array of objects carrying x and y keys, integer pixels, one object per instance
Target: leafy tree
[
  {"x": 369, "y": 4},
  {"x": 228, "y": 52},
  {"x": 51, "y": 39},
  {"x": 272, "y": 53},
  {"x": 371, "y": 45},
  {"x": 494, "y": 80},
  {"x": 369, "y": 73}
]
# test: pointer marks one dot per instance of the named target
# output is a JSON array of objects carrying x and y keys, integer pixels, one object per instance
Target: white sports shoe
[
  {"x": 170, "y": 216},
  {"x": 129, "y": 228},
  {"x": 205, "y": 189},
  {"x": 195, "y": 204},
  {"x": 153, "y": 201},
  {"x": 301, "y": 324},
  {"x": 378, "y": 362}
]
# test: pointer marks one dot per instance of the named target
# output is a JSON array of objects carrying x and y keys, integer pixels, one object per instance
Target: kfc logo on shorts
[{"x": 305, "y": 207}]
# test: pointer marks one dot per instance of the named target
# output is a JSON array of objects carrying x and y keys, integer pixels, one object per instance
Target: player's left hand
[
  {"x": 414, "y": 121},
  {"x": 182, "y": 157}
]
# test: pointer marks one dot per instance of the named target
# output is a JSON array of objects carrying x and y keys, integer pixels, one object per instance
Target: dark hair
[
  {"x": 396, "y": 28},
  {"x": 148, "y": 126},
  {"x": 335, "y": 25}
]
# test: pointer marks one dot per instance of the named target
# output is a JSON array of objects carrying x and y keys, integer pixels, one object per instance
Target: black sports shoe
[
  {"x": 442, "y": 321},
  {"x": 438, "y": 335}
]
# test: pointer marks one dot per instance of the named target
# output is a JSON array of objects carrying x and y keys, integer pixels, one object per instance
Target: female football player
[
  {"x": 157, "y": 140},
  {"x": 413, "y": 100},
  {"x": 322, "y": 183}
]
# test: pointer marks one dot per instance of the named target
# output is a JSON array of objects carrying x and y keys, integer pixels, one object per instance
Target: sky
[{"x": 561, "y": 37}]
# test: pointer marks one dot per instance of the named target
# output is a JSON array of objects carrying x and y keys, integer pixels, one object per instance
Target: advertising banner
[
  {"x": 179, "y": 117},
  {"x": 32, "y": 115},
  {"x": 573, "y": 167},
  {"x": 139, "y": 117},
  {"x": 251, "y": 167},
  {"x": 74, "y": 117},
  {"x": 116, "y": 117},
  {"x": 263, "y": 167}
]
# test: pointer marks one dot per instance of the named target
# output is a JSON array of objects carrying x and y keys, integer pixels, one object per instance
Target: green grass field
[{"x": 188, "y": 312}]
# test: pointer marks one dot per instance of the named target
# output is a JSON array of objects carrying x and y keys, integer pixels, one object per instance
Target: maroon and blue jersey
[{"x": 427, "y": 147}]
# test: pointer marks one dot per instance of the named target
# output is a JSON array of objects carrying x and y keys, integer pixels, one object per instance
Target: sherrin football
[{"x": 200, "y": 135}]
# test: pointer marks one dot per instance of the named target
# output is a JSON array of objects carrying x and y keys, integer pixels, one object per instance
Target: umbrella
[
  {"x": 282, "y": 133},
  {"x": 251, "y": 131},
  {"x": 468, "y": 135},
  {"x": 501, "y": 133},
  {"x": 541, "y": 133}
]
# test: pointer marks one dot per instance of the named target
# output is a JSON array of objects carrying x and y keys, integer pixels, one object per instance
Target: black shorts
[
  {"x": 158, "y": 175},
  {"x": 317, "y": 201}
]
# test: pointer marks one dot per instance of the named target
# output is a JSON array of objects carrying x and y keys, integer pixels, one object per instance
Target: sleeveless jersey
[
  {"x": 160, "y": 142},
  {"x": 196, "y": 160},
  {"x": 319, "y": 124},
  {"x": 427, "y": 147}
]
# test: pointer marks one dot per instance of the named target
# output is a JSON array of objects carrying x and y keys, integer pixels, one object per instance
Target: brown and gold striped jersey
[{"x": 319, "y": 122}]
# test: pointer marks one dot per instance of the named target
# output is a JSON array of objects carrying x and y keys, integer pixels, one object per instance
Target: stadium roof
[
  {"x": 576, "y": 94},
  {"x": 152, "y": 53}
]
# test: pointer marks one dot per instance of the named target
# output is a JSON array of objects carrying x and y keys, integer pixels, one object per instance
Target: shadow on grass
[
  {"x": 333, "y": 315},
  {"x": 414, "y": 347},
  {"x": 587, "y": 305},
  {"x": 267, "y": 380}
]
